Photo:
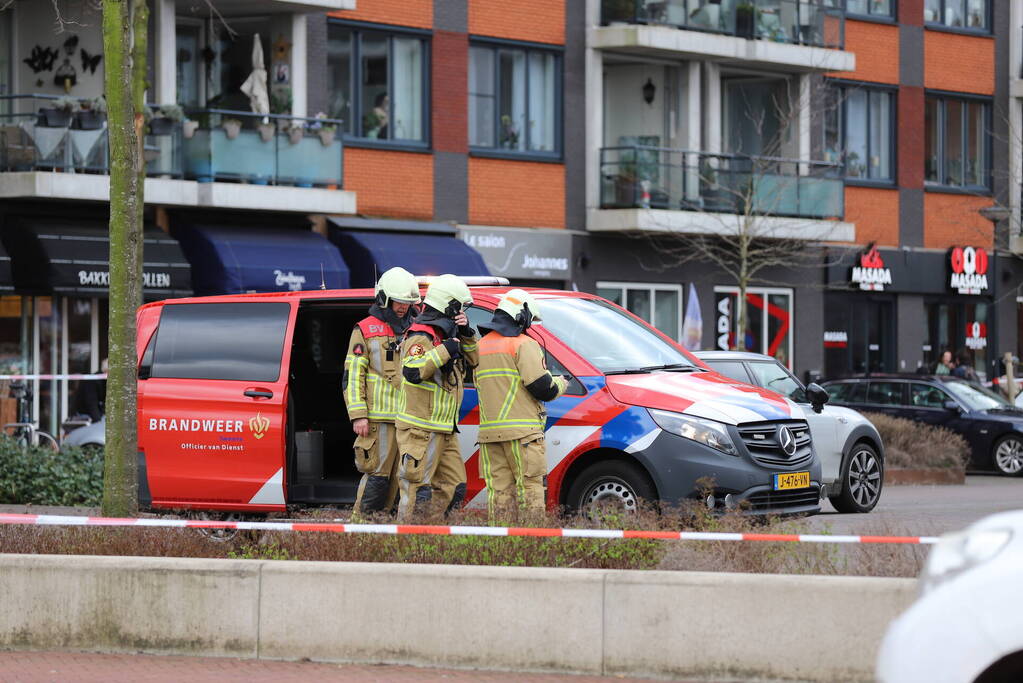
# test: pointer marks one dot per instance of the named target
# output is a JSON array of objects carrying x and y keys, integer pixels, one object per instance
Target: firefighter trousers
[
  {"x": 514, "y": 472},
  {"x": 376, "y": 456},
  {"x": 431, "y": 474}
]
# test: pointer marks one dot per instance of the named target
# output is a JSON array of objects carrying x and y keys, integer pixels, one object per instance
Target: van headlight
[
  {"x": 958, "y": 552},
  {"x": 707, "y": 432}
]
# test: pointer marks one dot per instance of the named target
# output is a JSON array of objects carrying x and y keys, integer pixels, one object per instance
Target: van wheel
[
  {"x": 862, "y": 479},
  {"x": 218, "y": 535},
  {"x": 611, "y": 485},
  {"x": 1008, "y": 455}
]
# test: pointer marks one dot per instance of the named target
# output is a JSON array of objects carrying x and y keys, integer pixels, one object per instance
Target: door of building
[
  {"x": 859, "y": 335},
  {"x": 959, "y": 326}
]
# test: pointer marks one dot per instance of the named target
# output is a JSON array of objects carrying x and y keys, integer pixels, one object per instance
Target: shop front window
[
  {"x": 859, "y": 335},
  {"x": 961, "y": 328},
  {"x": 659, "y": 305},
  {"x": 768, "y": 321}
]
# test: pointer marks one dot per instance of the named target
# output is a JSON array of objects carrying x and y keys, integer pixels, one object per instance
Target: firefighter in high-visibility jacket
[
  {"x": 512, "y": 381},
  {"x": 439, "y": 349},
  {"x": 372, "y": 384}
]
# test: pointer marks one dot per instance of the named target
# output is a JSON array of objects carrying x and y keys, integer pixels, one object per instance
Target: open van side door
[{"x": 214, "y": 382}]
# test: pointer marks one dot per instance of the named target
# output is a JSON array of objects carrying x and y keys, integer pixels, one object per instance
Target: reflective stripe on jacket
[
  {"x": 372, "y": 372},
  {"x": 510, "y": 370},
  {"x": 431, "y": 403}
]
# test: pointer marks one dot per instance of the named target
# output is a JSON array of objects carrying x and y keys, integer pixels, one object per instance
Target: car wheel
[
  {"x": 611, "y": 485},
  {"x": 1008, "y": 455},
  {"x": 862, "y": 480}
]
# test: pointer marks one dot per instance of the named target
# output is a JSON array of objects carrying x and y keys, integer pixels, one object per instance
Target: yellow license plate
[{"x": 791, "y": 480}]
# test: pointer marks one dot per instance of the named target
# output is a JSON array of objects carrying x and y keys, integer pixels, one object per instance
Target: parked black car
[{"x": 990, "y": 424}]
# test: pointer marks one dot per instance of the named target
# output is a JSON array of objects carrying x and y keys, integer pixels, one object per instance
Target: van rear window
[{"x": 235, "y": 341}]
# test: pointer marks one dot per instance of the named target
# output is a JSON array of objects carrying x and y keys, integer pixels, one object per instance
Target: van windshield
[{"x": 606, "y": 337}]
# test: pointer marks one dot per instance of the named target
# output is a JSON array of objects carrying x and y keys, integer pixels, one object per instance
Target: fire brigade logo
[
  {"x": 416, "y": 350},
  {"x": 259, "y": 426},
  {"x": 358, "y": 350}
]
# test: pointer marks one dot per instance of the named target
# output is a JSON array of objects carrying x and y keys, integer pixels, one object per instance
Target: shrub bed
[
  {"x": 915, "y": 445},
  {"x": 40, "y": 476}
]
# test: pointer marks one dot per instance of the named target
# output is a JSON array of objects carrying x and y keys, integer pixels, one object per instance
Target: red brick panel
[
  {"x": 392, "y": 184},
  {"x": 416, "y": 13},
  {"x": 450, "y": 83},
  {"x": 952, "y": 219},
  {"x": 911, "y": 137},
  {"x": 875, "y": 213},
  {"x": 541, "y": 21},
  {"x": 911, "y": 12},
  {"x": 519, "y": 193},
  {"x": 959, "y": 63},
  {"x": 877, "y": 52}
]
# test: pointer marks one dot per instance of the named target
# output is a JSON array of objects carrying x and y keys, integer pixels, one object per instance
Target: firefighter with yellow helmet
[
  {"x": 372, "y": 385},
  {"x": 513, "y": 383},
  {"x": 440, "y": 348}
]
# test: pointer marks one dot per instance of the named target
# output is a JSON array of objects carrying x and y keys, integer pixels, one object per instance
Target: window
[
  {"x": 776, "y": 378},
  {"x": 242, "y": 341},
  {"x": 872, "y": 8},
  {"x": 956, "y": 142},
  {"x": 768, "y": 321},
  {"x": 5, "y": 59},
  {"x": 859, "y": 125},
  {"x": 926, "y": 396},
  {"x": 847, "y": 392},
  {"x": 514, "y": 99},
  {"x": 965, "y": 14},
  {"x": 885, "y": 393},
  {"x": 659, "y": 305},
  {"x": 378, "y": 83},
  {"x": 729, "y": 368}
]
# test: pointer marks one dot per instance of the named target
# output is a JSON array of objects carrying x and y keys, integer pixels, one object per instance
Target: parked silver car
[
  {"x": 849, "y": 447},
  {"x": 93, "y": 434}
]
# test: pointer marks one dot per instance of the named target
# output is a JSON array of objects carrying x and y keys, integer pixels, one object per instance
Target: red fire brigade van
[{"x": 240, "y": 410}]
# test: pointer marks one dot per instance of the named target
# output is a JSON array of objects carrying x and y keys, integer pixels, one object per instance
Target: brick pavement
[{"x": 61, "y": 667}]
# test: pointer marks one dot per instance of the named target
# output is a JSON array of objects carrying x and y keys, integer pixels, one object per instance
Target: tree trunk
[
  {"x": 122, "y": 64},
  {"x": 741, "y": 309}
]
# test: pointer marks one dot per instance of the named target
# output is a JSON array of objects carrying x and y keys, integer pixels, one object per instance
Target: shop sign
[
  {"x": 522, "y": 252},
  {"x": 101, "y": 278},
  {"x": 836, "y": 339},
  {"x": 294, "y": 283},
  {"x": 976, "y": 336},
  {"x": 724, "y": 325},
  {"x": 871, "y": 274},
  {"x": 969, "y": 270}
]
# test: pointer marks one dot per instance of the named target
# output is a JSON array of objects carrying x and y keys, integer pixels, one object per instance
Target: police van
[{"x": 240, "y": 410}]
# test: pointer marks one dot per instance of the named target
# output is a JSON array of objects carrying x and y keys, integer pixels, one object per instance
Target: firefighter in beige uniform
[
  {"x": 439, "y": 349},
  {"x": 372, "y": 382},
  {"x": 513, "y": 382}
]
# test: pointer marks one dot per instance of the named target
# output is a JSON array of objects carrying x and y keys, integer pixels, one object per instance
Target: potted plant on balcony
[
  {"x": 91, "y": 114},
  {"x": 280, "y": 103},
  {"x": 326, "y": 131},
  {"x": 295, "y": 132},
  {"x": 231, "y": 128},
  {"x": 266, "y": 130},
  {"x": 59, "y": 115},
  {"x": 165, "y": 119},
  {"x": 745, "y": 19}
]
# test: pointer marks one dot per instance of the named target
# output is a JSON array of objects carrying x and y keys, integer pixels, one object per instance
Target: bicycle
[{"x": 25, "y": 431}]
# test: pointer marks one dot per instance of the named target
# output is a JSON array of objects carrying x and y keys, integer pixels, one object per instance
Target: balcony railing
[
  {"x": 818, "y": 23},
  {"x": 210, "y": 145},
  {"x": 659, "y": 178}
]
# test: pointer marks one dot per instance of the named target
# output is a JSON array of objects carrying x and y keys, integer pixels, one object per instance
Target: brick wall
[
  {"x": 875, "y": 213},
  {"x": 877, "y": 52},
  {"x": 910, "y": 137},
  {"x": 397, "y": 184},
  {"x": 415, "y": 13},
  {"x": 952, "y": 219},
  {"x": 518, "y": 193},
  {"x": 450, "y": 68},
  {"x": 541, "y": 21},
  {"x": 959, "y": 63}
]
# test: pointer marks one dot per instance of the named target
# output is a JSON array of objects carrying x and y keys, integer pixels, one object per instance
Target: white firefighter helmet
[
  {"x": 397, "y": 284},
  {"x": 444, "y": 289},
  {"x": 515, "y": 302}
]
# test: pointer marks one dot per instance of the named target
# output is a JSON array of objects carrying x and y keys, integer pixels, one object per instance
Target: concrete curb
[
  {"x": 527, "y": 619},
  {"x": 916, "y": 477}
]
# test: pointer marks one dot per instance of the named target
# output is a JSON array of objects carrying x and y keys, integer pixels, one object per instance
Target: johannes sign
[{"x": 523, "y": 252}]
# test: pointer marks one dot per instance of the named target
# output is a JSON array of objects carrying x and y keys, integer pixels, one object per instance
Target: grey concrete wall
[
  {"x": 590, "y": 621},
  {"x": 575, "y": 115}
]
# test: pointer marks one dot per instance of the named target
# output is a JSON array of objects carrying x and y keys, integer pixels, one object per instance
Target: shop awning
[
  {"x": 66, "y": 256},
  {"x": 232, "y": 259},
  {"x": 371, "y": 253}
]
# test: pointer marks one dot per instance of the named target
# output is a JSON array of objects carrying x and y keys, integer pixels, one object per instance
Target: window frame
[
  {"x": 357, "y": 139},
  {"x": 943, "y": 97},
  {"x": 973, "y": 31},
  {"x": 843, "y": 87},
  {"x": 891, "y": 17},
  {"x": 652, "y": 288},
  {"x": 496, "y": 45},
  {"x": 764, "y": 292}
]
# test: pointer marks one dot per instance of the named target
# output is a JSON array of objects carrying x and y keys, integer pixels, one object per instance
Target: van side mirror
[
  {"x": 951, "y": 406},
  {"x": 817, "y": 396}
]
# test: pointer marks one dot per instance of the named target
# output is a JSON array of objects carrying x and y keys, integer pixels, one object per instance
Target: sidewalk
[{"x": 62, "y": 667}]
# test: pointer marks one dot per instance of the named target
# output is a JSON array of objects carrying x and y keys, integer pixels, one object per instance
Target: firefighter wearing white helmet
[
  {"x": 372, "y": 384},
  {"x": 439, "y": 349},
  {"x": 513, "y": 383}
]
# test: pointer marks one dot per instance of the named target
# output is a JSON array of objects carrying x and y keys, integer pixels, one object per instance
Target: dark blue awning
[
  {"x": 371, "y": 253},
  {"x": 234, "y": 259}
]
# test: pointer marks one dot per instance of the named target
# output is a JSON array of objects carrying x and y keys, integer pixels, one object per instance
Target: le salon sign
[{"x": 969, "y": 267}]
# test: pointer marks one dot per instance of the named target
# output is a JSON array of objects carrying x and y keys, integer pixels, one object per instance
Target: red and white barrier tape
[
  {"x": 33, "y": 377},
  {"x": 413, "y": 529}
]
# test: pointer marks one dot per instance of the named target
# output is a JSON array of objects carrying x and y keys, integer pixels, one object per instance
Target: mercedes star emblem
[{"x": 786, "y": 441}]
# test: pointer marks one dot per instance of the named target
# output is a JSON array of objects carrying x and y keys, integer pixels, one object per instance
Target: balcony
[
  {"x": 801, "y": 35},
  {"x": 56, "y": 148},
  {"x": 658, "y": 189}
]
